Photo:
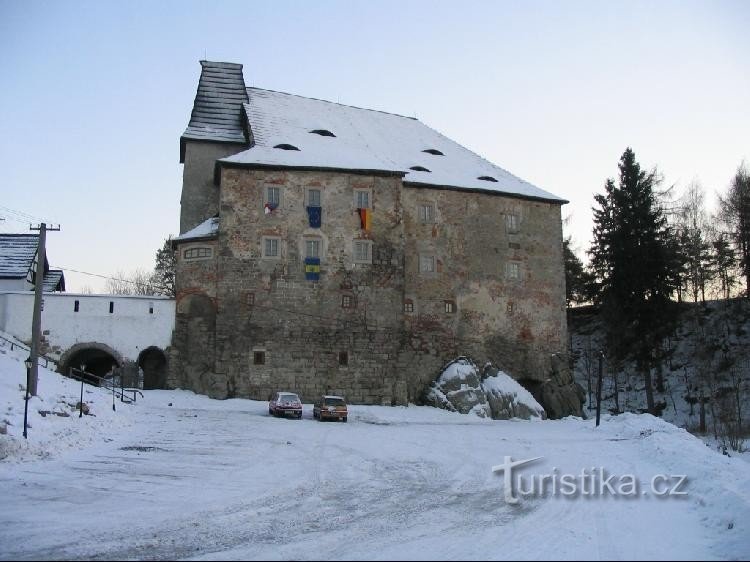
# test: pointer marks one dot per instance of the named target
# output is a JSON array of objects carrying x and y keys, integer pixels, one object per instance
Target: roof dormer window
[
  {"x": 323, "y": 132},
  {"x": 434, "y": 151},
  {"x": 487, "y": 178},
  {"x": 419, "y": 169},
  {"x": 286, "y": 147}
]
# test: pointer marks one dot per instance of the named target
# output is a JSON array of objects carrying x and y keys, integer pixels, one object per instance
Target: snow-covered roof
[
  {"x": 17, "y": 253},
  {"x": 54, "y": 280},
  {"x": 206, "y": 229},
  {"x": 336, "y": 136}
]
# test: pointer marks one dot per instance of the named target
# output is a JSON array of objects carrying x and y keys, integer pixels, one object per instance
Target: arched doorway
[
  {"x": 153, "y": 362},
  {"x": 92, "y": 358}
]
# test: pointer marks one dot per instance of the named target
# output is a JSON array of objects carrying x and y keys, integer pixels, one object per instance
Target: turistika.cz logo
[{"x": 590, "y": 482}]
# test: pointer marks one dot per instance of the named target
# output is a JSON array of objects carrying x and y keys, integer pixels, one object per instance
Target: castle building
[{"x": 326, "y": 248}]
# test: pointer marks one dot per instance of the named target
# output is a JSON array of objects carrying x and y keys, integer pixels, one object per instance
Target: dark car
[
  {"x": 330, "y": 408},
  {"x": 285, "y": 404}
]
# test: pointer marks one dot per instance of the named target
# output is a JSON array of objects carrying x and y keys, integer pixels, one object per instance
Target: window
[
  {"x": 76, "y": 306},
  {"x": 509, "y": 308},
  {"x": 313, "y": 198},
  {"x": 285, "y": 146},
  {"x": 450, "y": 307},
  {"x": 426, "y": 263},
  {"x": 487, "y": 178},
  {"x": 272, "y": 199},
  {"x": 362, "y": 198},
  {"x": 362, "y": 251},
  {"x": 343, "y": 358},
  {"x": 426, "y": 213},
  {"x": 323, "y": 132},
  {"x": 512, "y": 222},
  {"x": 419, "y": 169},
  {"x": 259, "y": 357},
  {"x": 434, "y": 151},
  {"x": 197, "y": 253},
  {"x": 250, "y": 299},
  {"x": 512, "y": 270},
  {"x": 347, "y": 301},
  {"x": 409, "y": 306},
  {"x": 312, "y": 248},
  {"x": 111, "y": 307},
  {"x": 150, "y": 308},
  {"x": 271, "y": 247}
]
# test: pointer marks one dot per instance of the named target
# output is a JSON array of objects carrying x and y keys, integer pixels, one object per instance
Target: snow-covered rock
[{"x": 461, "y": 388}]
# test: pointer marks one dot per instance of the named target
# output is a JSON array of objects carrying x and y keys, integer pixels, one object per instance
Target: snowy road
[{"x": 223, "y": 480}]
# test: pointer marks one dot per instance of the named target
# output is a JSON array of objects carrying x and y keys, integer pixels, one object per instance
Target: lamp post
[{"x": 28, "y": 364}]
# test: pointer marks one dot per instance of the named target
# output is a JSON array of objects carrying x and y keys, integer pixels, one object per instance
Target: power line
[
  {"x": 137, "y": 283},
  {"x": 21, "y": 215}
]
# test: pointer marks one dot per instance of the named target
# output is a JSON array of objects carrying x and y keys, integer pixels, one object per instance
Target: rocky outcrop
[
  {"x": 560, "y": 394},
  {"x": 462, "y": 388}
]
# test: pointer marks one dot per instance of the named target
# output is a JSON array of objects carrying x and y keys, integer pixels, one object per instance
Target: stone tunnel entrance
[
  {"x": 93, "y": 360},
  {"x": 153, "y": 362}
]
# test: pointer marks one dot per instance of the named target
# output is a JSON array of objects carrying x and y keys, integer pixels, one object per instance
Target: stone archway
[
  {"x": 95, "y": 358},
  {"x": 153, "y": 362}
]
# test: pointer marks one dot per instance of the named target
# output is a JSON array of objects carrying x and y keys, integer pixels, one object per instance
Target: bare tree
[{"x": 137, "y": 282}]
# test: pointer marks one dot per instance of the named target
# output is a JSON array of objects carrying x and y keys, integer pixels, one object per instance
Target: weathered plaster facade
[{"x": 452, "y": 271}]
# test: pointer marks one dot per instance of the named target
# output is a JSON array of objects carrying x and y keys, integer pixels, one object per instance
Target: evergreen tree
[
  {"x": 633, "y": 257},
  {"x": 164, "y": 272},
  {"x": 735, "y": 211},
  {"x": 578, "y": 281},
  {"x": 724, "y": 263}
]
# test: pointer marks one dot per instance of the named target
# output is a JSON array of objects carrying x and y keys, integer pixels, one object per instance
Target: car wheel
[{"x": 343, "y": 419}]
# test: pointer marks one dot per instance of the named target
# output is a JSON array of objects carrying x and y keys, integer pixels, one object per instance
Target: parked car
[
  {"x": 330, "y": 408},
  {"x": 285, "y": 404}
]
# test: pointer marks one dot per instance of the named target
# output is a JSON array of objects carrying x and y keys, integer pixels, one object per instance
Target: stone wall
[
  {"x": 200, "y": 195},
  {"x": 248, "y": 325}
]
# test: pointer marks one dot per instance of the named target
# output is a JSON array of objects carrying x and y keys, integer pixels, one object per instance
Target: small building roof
[
  {"x": 54, "y": 280},
  {"x": 207, "y": 229},
  {"x": 17, "y": 252}
]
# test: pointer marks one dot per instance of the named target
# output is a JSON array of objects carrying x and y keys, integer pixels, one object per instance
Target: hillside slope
[{"x": 708, "y": 357}]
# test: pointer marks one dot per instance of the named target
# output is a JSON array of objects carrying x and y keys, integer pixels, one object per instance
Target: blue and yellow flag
[{"x": 312, "y": 269}]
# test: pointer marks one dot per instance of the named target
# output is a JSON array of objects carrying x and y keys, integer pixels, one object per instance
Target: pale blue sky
[{"x": 95, "y": 96}]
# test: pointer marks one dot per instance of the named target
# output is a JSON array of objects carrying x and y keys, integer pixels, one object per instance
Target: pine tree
[
  {"x": 164, "y": 271},
  {"x": 634, "y": 257},
  {"x": 578, "y": 281},
  {"x": 735, "y": 211}
]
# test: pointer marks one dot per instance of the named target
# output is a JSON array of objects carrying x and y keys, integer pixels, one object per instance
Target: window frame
[
  {"x": 264, "y": 254},
  {"x": 308, "y": 202},
  {"x": 512, "y": 223},
  {"x": 422, "y": 217},
  {"x": 201, "y": 253},
  {"x": 366, "y": 191},
  {"x": 362, "y": 243},
  {"x": 433, "y": 261},
  {"x": 267, "y": 199},
  {"x": 312, "y": 239},
  {"x": 513, "y": 270}
]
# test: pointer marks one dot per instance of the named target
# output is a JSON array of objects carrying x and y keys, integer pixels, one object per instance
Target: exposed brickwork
[{"x": 239, "y": 302}]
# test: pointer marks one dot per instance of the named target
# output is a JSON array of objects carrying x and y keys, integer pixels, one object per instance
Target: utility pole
[
  {"x": 599, "y": 390},
  {"x": 36, "y": 321}
]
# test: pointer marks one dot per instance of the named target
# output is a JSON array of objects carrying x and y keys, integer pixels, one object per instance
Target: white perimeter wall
[{"x": 128, "y": 330}]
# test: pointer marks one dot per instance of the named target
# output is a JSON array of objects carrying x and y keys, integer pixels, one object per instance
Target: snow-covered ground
[{"x": 181, "y": 476}]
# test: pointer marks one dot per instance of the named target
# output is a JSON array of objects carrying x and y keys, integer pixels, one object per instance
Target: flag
[
  {"x": 312, "y": 269},
  {"x": 314, "y": 215},
  {"x": 268, "y": 208},
  {"x": 365, "y": 217}
]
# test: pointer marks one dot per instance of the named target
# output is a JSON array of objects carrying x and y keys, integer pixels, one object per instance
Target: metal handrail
[
  {"x": 13, "y": 344},
  {"x": 104, "y": 382}
]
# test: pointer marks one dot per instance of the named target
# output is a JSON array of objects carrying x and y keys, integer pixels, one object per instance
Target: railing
[
  {"x": 13, "y": 344},
  {"x": 113, "y": 382}
]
